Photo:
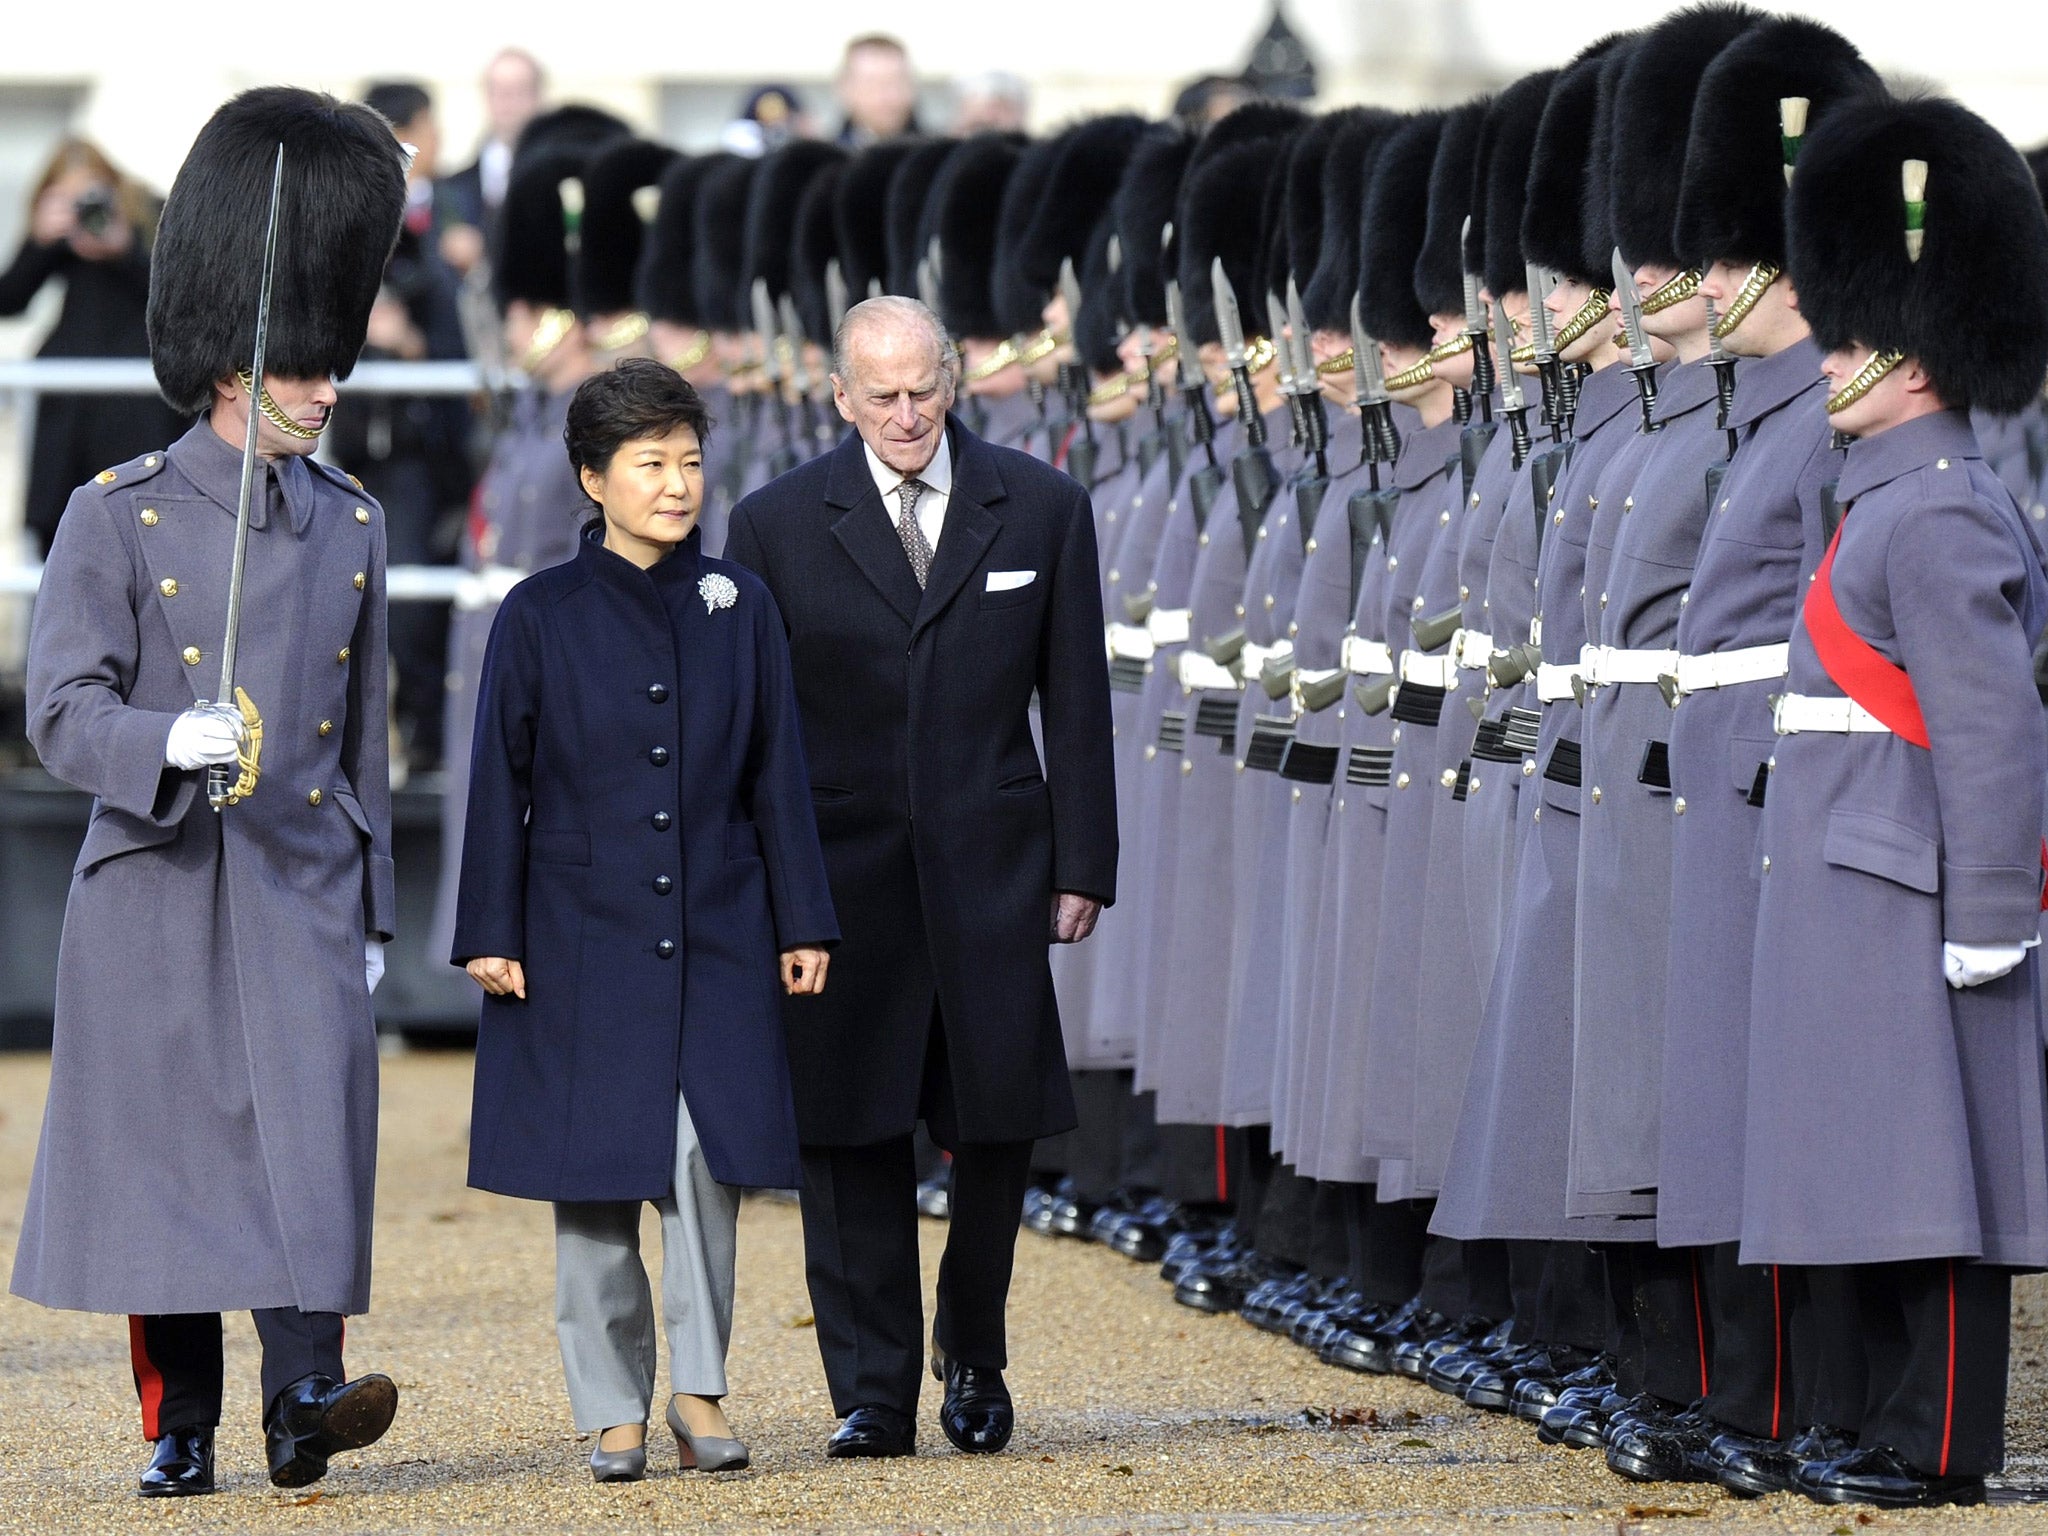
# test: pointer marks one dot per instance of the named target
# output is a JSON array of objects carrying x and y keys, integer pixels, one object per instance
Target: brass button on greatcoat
[
  {"x": 191, "y": 655},
  {"x": 326, "y": 727},
  {"x": 1678, "y": 806},
  {"x": 342, "y": 655},
  {"x": 1596, "y": 794},
  {"x": 168, "y": 586},
  {"x": 360, "y": 578},
  {"x": 363, "y": 516},
  {"x": 313, "y": 797},
  {"x": 149, "y": 518}
]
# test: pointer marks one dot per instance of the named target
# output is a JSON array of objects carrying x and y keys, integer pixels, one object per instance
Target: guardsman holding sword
[{"x": 207, "y": 658}]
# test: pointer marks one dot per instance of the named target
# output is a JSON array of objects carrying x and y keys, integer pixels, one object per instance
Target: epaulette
[{"x": 134, "y": 472}]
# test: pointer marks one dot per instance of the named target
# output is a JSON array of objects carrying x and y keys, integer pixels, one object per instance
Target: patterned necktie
[{"x": 908, "y": 530}]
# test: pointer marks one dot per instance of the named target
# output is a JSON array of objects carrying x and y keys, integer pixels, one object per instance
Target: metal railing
[{"x": 134, "y": 376}]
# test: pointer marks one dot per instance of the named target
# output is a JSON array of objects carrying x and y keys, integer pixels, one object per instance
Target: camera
[{"x": 94, "y": 211}]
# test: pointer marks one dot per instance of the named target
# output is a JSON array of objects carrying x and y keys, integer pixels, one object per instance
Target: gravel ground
[{"x": 1135, "y": 1415}]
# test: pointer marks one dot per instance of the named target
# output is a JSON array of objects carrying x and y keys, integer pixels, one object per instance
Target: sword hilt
[{"x": 1518, "y": 431}]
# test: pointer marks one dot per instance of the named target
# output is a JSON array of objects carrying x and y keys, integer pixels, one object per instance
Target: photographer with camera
[{"x": 91, "y": 226}]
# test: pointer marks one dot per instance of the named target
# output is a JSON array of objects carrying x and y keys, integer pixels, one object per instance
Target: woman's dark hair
[{"x": 634, "y": 398}]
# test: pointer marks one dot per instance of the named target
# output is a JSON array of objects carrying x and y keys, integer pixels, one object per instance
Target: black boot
[{"x": 316, "y": 1416}]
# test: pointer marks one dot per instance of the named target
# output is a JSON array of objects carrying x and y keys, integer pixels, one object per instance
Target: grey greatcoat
[
  {"x": 1424, "y": 474},
  {"x": 1506, "y": 1175},
  {"x": 1923, "y": 1104},
  {"x": 210, "y": 1142},
  {"x": 1763, "y": 540},
  {"x": 529, "y": 510},
  {"x": 1639, "y": 562}
]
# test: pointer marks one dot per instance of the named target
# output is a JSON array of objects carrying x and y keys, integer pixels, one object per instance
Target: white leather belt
[
  {"x": 1554, "y": 681},
  {"x": 1199, "y": 674},
  {"x": 1797, "y": 712},
  {"x": 1168, "y": 626},
  {"x": 487, "y": 588},
  {"x": 1131, "y": 642},
  {"x": 1367, "y": 658},
  {"x": 1431, "y": 671},
  {"x": 1472, "y": 647},
  {"x": 1536, "y": 629},
  {"x": 1253, "y": 658},
  {"x": 1724, "y": 669},
  {"x": 1604, "y": 664}
]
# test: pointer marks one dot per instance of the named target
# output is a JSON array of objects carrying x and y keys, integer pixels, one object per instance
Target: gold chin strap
[
  {"x": 693, "y": 354},
  {"x": 275, "y": 414},
  {"x": 1260, "y": 354},
  {"x": 1867, "y": 379},
  {"x": 624, "y": 331},
  {"x": 1675, "y": 290},
  {"x": 1004, "y": 355},
  {"x": 1343, "y": 362},
  {"x": 1590, "y": 314},
  {"x": 1167, "y": 353},
  {"x": 1420, "y": 373},
  {"x": 1114, "y": 388},
  {"x": 1039, "y": 347},
  {"x": 1747, "y": 297},
  {"x": 553, "y": 329}
]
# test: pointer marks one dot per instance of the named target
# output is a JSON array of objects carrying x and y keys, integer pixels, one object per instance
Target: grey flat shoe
[
  {"x": 627, "y": 1466},
  {"x": 709, "y": 1453}
]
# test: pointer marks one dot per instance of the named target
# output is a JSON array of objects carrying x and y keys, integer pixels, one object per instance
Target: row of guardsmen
[{"x": 1581, "y": 886}]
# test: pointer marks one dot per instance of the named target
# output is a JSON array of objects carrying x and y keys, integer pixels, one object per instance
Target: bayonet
[
  {"x": 768, "y": 329},
  {"x": 1514, "y": 403},
  {"x": 1073, "y": 374},
  {"x": 800, "y": 381},
  {"x": 1315, "y": 418},
  {"x": 1543, "y": 347},
  {"x": 1230, "y": 330},
  {"x": 1475, "y": 325},
  {"x": 230, "y": 702},
  {"x": 1276, "y": 322},
  {"x": 1642, "y": 362},
  {"x": 1381, "y": 439},
  {"x": 1193, "y": 386},
  {"x": 836, "y": 296},
  {"x": 1724, "y": 374}
]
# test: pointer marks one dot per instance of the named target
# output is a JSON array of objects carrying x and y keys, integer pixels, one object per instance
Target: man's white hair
[{"x": 892, "y": 309}]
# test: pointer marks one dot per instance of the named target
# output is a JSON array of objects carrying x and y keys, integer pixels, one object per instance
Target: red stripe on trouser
[
  {"x": 1699, "y": 1321},
  {"x": 1777, "y": 1358},
  {"x": 1948, "y": 1409},
  {"x": 1222, "y": 1168},
  {"x": 149, "y": 1381}
]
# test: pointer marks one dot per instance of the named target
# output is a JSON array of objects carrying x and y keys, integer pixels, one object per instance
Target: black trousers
[
  {"x": 1386, "y": 1243},
  {"x": 1571, "y": 1302},
  {"x": 1670, "y": 1292},
  {"x": 860, "y": 1253},
  {"x": 1286, "y": 1223},
  {"x": 1831, "y": 1371},
  {"x": 1937, "y": 1335},
  {"x": 176, "y": 1360},
  {"x": 1463, "y": 1278},
  {"x": 1753, "y": 1380},
  {"x": 1115, "y": 1149},
  {"x": 1195, "y": 1163}
]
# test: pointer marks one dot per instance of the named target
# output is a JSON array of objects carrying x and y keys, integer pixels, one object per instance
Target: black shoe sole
[
  {"x": 1743, "y": 1486},
  {"x": 1963, "y": 1498},
  {"x": 361, "y": 1415},
  {"x": 1491, "y": 1399},
  {"x": 176, "y": 1492},
  {"x": 1215, "y": 1303},
  {"x": 1641, "y": 1469},
  {"x": 866, "y": 1453},
  {"x": 1585, "y": 1437},
  {"x": 978, "y": 1450}
]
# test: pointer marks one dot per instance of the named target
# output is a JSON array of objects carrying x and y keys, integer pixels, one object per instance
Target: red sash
[
  {"x": 1856, "y": 667},
  {"x": 1853, "y": 664}
]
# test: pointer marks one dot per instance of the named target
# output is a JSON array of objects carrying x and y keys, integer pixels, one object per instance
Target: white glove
[
  {"x": 373, "y": 962},
  {"x": 1971, "y": 965},
  {"x": 202, "y": 737}
]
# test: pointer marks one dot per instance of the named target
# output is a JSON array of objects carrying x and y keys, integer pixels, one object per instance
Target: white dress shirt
[
  {"x": 938, "y": 490},
  {"x": 494, "y": 171}
]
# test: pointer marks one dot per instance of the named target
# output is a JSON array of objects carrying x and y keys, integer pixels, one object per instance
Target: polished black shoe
[
  {"x": 1038, "y": 1205},
  {"x": 1821, "y": 1442},
  {"x": 1266, "y": 1304},
  {"x": 1535, "y": 1397},
  {"x": 977, "y": 1414},
  {"x": 874, "y": 1432},
  {"x": 1580, "y": 1419},
  {"x": 935, "y": 1197},
  {"x": 1450, "y": 1369},
  {"x": 1413, "y": 1357},
  {"x": 1222, "y": 1287},
  {"x": 1675, "y": 1450},
  {"x": 1493, "y": 1387},
  {"x": 1071, "y": 1215},
  {"x": 1374, "y": 1350},
  {"x": 1880, "y": 1476},
  {"x": 316, "y": 1416},
  {"x": 181, "y": 1467},
  {"x": 1750, "y": 1466}
]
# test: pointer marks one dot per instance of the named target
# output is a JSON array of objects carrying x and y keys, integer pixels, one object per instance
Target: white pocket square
[{"x": 1010, "y": 581}]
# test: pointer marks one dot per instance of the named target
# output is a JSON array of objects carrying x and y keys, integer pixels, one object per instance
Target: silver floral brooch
[{"x": 718, "y": 592}]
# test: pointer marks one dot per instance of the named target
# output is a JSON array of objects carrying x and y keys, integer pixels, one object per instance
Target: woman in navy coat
[{"x": 639, "y": 850}]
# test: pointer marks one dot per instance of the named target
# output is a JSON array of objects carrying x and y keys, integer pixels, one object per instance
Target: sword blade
[{"x": 231, "y": 640}]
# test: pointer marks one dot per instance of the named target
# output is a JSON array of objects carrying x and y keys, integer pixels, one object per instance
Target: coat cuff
[
  {"x": 138, "y": 779},
  {"x": 380, "y": 897},
  {"x": 1994, "y": 905}
]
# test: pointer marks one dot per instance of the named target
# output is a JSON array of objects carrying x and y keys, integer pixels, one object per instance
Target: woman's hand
[
  {"x": 803, "y": 971},
  {"x": 55, "y": 216},
  {"x": 508, "y": 977}
]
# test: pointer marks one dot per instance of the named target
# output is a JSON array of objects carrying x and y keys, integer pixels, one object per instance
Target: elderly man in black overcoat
[{"x": 934, "y": 586}]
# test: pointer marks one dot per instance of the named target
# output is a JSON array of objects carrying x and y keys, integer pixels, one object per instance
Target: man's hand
[
  {"x": 204, "y": 736},
  {"x": 498, "y": 977},
  {"x": 803, "y": 971},
  {"x": 1971, "y": 965},
  {"x": 1073, "y": 917},
  {"x": 373, "y": 962}
]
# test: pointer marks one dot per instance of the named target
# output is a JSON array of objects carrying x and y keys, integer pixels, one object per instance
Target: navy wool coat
[
  {"x": 640, "y": 838},
  {"x": 944, "y": 837}
]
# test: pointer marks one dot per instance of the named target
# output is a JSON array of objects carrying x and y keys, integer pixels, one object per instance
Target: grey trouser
[{"x": 604, "y": 1309}]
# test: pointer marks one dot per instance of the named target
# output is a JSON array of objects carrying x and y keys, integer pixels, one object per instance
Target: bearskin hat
[
  {"x": 1302, "y": 229},
  {"x": 1097, "y": 328},
  {"x": 720, "y": 245},
  {"x": 963, "y": 214},
  {"x": 338, "y": 217},
  {"x": 813, "y": 246},
  {"x": 1517, "y": 112},
  {"x": 1019, "y": 300},
  {"x": 1653, "y": 105},
  {"x": 1440, "y": 264},
  {"x": 1973, "y": 308},
  {"x": 1222, "y": 214},
  {"x": 1144, "y": 206},
  {"x": 575, "y": 128},
  {"x": 860, "y": 212},
  {"x": 772, "y": 207},
  {"x": 1390, "y": 233},
  {"x": 664, "y": 287},
  {"x": 910, "y": 198},
  {"x": 1554, "y": 203},
  {"x": 1085, "y": 171},
  {"x": 1731, "y": 205},
  {"x": 617, "y": 208},
  {"x": 1347, "y": 175}
]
